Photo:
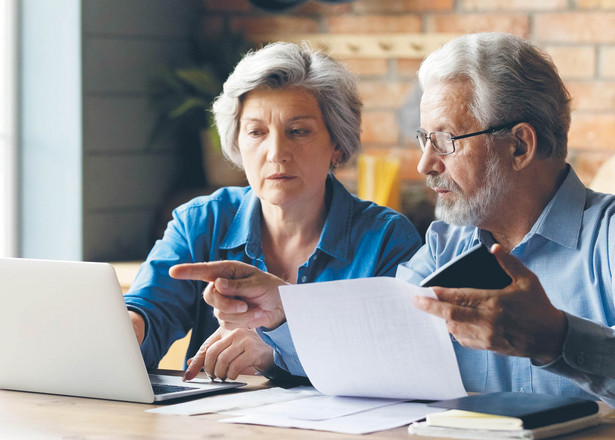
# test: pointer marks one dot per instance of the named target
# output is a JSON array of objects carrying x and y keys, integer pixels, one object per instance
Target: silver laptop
[{"x": 64, "y": 329}]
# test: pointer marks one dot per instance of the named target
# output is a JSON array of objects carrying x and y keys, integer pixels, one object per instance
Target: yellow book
[{"x": 456, "y": 418}]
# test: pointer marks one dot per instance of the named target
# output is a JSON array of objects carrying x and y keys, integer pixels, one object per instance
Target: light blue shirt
[
  {"x": 571, "y": 248},
  {"x": 359, "y": 239}
]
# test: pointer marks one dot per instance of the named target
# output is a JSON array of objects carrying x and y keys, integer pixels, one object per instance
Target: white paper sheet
[
  {"x": 319, "y": 407},
  {"x": 227, "y": 402},
  {"x": 364, "y": 337},
  {"x": 379, "y": 419}
]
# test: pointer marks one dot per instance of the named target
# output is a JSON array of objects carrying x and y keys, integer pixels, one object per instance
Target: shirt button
[
  {"x": 580, "y": 359},
  {"x": 303, "y": 279},
  {"x": 521, "y": 390}
]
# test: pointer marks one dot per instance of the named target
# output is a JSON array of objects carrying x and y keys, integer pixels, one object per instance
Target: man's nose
[{"x": 430, "y": 163}]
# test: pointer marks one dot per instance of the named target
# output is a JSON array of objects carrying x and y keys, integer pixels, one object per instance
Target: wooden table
[{"x": 34, "y": 416}]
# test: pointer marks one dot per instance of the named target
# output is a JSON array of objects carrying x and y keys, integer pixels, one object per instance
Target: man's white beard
[{"x": 475, "y": 209}]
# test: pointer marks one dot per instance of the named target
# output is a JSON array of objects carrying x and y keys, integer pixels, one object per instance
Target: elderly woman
[{"x": 288, "y": 116}]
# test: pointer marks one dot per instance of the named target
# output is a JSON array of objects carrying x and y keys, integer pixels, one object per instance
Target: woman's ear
[
  {"x": 336, "y": 157},
  {"x": 524, "y": 145}
]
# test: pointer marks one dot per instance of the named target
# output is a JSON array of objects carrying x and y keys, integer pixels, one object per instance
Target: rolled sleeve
[{"x": 284, "y": 353}]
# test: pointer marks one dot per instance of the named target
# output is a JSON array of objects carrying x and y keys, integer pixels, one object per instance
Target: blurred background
[{"x": 103, "y": 103}]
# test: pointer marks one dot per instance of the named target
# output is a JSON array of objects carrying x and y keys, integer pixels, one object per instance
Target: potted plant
[{"x": 183, "y": 95}]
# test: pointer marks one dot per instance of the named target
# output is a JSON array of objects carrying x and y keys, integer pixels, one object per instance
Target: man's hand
[
  {"x": 518, "y": 320},
  {"x": 241, "y": 294},
  {"x": 228, "y": 353}
]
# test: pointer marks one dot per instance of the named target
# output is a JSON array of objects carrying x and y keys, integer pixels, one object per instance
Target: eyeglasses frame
[{"x": 463, "y": 136}]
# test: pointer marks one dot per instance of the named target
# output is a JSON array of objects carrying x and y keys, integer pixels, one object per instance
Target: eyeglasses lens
[{"x": 443, "y": 143}]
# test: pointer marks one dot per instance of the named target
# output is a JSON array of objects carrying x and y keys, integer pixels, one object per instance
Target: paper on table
[
  {"x": 378, "y": 419},
  {"x": 228, "y": 402},
  {"x": 318, "y": 407},
  {"x": 364, "y": 337}
]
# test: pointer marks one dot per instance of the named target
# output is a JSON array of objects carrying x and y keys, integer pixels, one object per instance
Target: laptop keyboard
[{"x": 161, "y": 388}]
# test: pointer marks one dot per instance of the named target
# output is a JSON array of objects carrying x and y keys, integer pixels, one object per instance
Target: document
[
  {"x": 240, "y": 400},
  {"x": 318, "y": 407},
  {"x": 377, "y": 419},
  {"x": 364, "y": 337}
]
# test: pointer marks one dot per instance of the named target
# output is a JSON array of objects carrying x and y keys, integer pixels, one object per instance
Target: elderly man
[{"x": 495, "y": 117}]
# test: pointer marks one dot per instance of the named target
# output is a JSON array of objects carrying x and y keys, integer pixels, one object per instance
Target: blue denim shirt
[
  {"x": 359, "y": 239},
  {"x": 571, "y": 248}
]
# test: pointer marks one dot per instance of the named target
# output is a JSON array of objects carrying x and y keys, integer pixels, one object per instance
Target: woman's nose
[{"x": 278, "y": 150}]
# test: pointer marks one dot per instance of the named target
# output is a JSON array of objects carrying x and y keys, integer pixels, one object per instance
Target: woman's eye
[{"x": 299, "y": 131}]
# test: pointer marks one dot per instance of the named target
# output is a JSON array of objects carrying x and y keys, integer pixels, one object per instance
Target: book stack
[{"x": 506, "y": 415}]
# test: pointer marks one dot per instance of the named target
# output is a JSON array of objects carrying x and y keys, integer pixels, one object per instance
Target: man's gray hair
[
  {"x": 513, "y": 81},
  {"x": 283, "y": 65}
]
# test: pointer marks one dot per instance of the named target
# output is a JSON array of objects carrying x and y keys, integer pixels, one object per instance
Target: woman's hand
[
  {"x": 138, "y": 324},
  {"x": 228, "y": 353},
  {"x": 241, "y": 294}
]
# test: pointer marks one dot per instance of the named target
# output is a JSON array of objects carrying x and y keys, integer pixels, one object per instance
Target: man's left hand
[{"x": 518, "y": 320}]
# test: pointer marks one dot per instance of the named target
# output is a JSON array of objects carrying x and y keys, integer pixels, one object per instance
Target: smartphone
[{"x": 476, "y": 268}]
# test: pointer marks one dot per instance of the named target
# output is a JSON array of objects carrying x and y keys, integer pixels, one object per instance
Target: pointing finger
[{"x": 211, "y": 270}]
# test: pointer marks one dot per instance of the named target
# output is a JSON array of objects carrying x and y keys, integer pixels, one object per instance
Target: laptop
[{"x": 64, "y": 329}]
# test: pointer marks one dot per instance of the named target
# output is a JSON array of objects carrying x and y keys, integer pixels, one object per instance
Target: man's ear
[{"x": 524, "y": 145}]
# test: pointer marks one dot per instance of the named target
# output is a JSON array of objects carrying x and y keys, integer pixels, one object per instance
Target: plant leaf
[
  {"x": 201, "y": 79},
  {"x": 186, "y": 106}
]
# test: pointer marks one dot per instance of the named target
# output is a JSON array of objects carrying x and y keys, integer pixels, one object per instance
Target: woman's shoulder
[
  {"x": 367, "y": 211},
  {"x": 228, "y": 198},
  {"x": 364, "y": 209}
]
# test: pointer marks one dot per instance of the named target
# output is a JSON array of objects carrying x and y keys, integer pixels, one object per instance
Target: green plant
[{"x": 183, "y": 94}]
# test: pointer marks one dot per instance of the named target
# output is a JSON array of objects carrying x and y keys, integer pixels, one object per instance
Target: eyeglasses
[{"x": 443, "y": 143}]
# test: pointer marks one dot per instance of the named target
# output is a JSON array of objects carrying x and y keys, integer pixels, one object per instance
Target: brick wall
[{"x": 579, "y": 34}]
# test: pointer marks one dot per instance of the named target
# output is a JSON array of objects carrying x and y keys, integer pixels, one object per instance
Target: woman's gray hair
[
  {"x": 513, "y": 81},
  {"x": 281, "y": 65}
]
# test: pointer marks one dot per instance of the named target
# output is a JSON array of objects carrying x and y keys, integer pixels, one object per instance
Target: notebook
[
  {"x": 530, "y": 409},
  {"x": 507, "y": 415},
  {"x": 64, "y": 329}
]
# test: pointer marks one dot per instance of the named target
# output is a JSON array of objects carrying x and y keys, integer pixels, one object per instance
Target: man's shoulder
[
  {"x": 443, "y": 235},
  {"x": 603, "y": 203},
  {"x": 446, "y": 241}
]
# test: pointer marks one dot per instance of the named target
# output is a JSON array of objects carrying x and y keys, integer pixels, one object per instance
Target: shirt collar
[
  {"x": 246, "y": 227},
  {"x": 334, "y": 239},
  {"x": 561, "y": 219}
]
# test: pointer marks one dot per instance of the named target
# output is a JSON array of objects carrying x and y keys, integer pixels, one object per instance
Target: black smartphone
[{"x": 476, "y": 268}]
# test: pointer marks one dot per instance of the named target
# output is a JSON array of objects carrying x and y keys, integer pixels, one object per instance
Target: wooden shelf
[{"x": 365, "y": 45}]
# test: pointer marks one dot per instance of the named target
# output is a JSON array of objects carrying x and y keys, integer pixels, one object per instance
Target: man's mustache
[{"x": 441, "y": 182}]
